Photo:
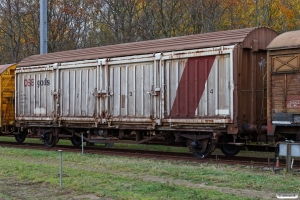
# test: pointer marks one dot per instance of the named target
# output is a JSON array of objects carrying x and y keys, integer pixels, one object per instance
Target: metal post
[
  {"x": 43, "y": 27},
  {"x": 60, "y": 168},
  {"x": 81, "y": 143},
  {"x": 288, "y": 157}
]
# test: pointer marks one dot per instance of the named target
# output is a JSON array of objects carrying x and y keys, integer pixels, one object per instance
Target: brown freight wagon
[
  {"x": 284, "y": 87},
  {"x": 200, "y": 89}
]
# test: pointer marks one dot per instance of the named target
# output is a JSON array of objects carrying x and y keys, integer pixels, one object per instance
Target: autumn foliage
[{"x": 74, "y": 24}]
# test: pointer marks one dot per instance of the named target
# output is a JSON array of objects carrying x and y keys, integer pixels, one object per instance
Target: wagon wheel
[
  {"x": 229, "y": 149},
  {"x": 202, "y": 148},
  {"x": 50, "y": 139},
  {"x": 76, "y": 141},
  {"x": 21, "y": 136}
]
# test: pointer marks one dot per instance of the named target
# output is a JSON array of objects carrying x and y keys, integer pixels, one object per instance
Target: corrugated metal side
[
  {"x": 7, "y": 87},
  {"x": 171, "y": 87},
  {"x": 137, "y": 89},
  {"x": 134, "y": 88},
  {"x": 259, "y": 39},
  {"x": 176, "y": 85},
  {"x": 34, "y": 94},
  {"x": 252, "y": 87},
  {"x": 78, "y": 92},
  {"x": 199, "y": 87},
  {"x": 250, "y": 79}
]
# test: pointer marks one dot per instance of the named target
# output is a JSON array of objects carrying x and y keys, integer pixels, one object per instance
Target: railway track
[{"x": 266, "y": 163}]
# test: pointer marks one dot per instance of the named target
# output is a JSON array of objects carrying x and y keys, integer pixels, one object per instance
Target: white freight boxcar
[{"x": 187, "y": 89}]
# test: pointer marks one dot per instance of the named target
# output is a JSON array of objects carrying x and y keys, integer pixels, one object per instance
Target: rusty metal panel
[
  {"x": 259, "y": 39},
  {"x": 34, "y": 93},
  {"x": 252, "y": 87}
]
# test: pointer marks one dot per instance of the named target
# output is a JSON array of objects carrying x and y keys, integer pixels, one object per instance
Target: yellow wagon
[{"x": 7, "y": 98}]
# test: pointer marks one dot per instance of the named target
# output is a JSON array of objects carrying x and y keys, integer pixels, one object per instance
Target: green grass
[{"x": 134, "y": 178}]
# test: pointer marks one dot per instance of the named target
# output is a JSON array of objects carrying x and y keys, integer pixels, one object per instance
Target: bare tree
[
  {"x": 206, "y": 15},
  {"x": 168, "y": 15},
  {"x": 11, "y": 27},
  {"x": 77, "y": 24},
  {"x": 117, "y": 18},
  {"x": 67, "y": 21}
]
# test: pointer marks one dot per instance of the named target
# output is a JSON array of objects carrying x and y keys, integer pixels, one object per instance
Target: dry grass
[{"x": 132, "y": 178}]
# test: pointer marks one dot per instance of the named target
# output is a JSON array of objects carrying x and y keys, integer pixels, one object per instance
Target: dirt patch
[
  {"x": 12, "y": 189},
  {"x": 88, "y": 196}
]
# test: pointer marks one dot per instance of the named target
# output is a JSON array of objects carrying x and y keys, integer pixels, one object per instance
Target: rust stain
[{"x": 123, "y": 101}]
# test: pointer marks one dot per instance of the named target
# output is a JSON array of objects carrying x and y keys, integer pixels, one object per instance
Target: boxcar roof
[
  {"x": 246, "y": 36},
  {"x": 286, "y": 40},
  {"x": 4, "y": 67}
]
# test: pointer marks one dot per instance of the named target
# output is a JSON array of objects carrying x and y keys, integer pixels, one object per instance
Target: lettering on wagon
[
  {"x": 28, "y": 82},
  {"x": 39, "y": 83}
]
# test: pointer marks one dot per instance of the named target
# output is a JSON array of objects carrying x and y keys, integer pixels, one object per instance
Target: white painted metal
[
  {"x": 134, "y": 89},
  {"x": 231, "y": 82},
  {"x": 217, "y": 98},
  {"x": 78, "y": 86},
  {"x": 132, "y": 86},
  {"x": 34, "y": 91},
  {"x": 218, "y": 92}
]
